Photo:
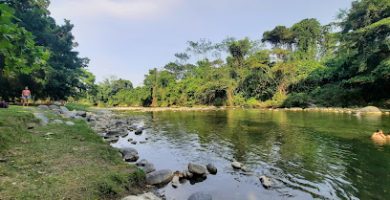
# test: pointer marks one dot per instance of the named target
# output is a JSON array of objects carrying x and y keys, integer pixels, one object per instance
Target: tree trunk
[
  {"x": 154, "y": 97},
  {"x": 229, "y": 96},
  {"x": 154, "y": 90}
]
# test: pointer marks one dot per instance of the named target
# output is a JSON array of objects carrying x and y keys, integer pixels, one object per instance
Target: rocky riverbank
[
  {"x": 59, "y": 157},
  {"x": 364, "y": 110},
  {"x": 112, "y": 127}
]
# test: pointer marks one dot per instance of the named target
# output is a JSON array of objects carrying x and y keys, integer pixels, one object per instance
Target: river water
[{"x": 308, "y": 155}]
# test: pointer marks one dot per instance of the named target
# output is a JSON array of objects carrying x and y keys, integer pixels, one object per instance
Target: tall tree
[{"x": 307, "y": 34}]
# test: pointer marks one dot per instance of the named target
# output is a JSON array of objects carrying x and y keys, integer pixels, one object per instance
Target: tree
[
  {"x": 64, "y": 67},
  {"x": 238, "y": 50},
  {"x": 18, "y": 53},
  {"x": 307, "y": 34},
  {"x": 279, "y": 37}
]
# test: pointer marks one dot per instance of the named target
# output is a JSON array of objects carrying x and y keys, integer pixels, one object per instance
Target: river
[{"x": 307, "y": 154}]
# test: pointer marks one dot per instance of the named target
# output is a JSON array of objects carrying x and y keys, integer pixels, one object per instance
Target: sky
[{"x": 126, "y": 38}]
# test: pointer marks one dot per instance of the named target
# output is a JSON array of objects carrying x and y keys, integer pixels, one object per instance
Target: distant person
[{"x": 26, "y": 96}]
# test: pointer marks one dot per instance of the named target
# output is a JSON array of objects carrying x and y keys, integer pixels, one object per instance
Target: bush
[
  {"x": 297, "y": 100},
  {"x": 276, "y": 101},
  {"x": 337, "y": 96},
  {"x": 252, "y": 103},
  {"x": 239, "y": 100},
  {"x": 77, "y": 106}
]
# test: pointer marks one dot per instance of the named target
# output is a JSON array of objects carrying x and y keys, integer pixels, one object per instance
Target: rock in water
[
  {"x": 114, "y": 132},
  {"x": 130, "y": 154},
  {"x": 200, "y": 196},
  {"x": 187, "y": 174},
  {"x": 146, "y": 166},
  {"x": 159, "y": 177},
  {"x": 175, "y": 181},
  {"x": 236, "y": 165},
  {"x": 211, "y": 168},
  {"x": 196, "y": 169},
  {"x": 267, "y": 183},
  {"x": 146, "y": 196},
  {"x": 138, "y": 131},
  {"x": 370, "y": 109},
  {"x": 111, "y": 139}
]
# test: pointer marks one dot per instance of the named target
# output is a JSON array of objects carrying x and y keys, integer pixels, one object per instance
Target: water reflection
[{"x": 310, "y": 155}]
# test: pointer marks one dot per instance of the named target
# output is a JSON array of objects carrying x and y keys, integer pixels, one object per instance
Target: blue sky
[{"x": 126, "y": 38}]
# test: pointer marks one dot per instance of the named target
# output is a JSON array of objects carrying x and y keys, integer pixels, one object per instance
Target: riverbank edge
[
  {"x": 126, "y": 179},
  {"x": 358, "y": 110}
]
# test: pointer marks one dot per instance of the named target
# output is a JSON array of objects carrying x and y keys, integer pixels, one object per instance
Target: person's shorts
[{"x": 26, "y": 97}]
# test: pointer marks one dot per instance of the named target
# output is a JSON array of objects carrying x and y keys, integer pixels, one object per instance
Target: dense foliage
[
  {"x": 344, "y": 63},
  {"x": 37, "y": 52}
]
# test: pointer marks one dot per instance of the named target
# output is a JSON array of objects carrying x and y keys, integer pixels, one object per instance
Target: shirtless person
[
  {"x": 26, "y": 95},
  {"x": 380, "y": 138}
]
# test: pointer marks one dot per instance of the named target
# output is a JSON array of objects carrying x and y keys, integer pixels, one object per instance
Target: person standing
[{"x": 26, "y": 95}]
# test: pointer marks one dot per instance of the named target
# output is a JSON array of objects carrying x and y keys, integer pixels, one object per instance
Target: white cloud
[{"x": 123, "y": 9}]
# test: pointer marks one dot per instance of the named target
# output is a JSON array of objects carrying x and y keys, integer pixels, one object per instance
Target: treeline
[
  {"x": 38, "y": 53},
  {"x": 344, "y": 63}
]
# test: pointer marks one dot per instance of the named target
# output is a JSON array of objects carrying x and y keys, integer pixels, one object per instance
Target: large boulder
[
  {"x": 64, "y": 109},
  {"x": 81, "y": 113},
  {"x": 146, "y": 166},
  {"x": 129, "y": 154},
  {"x": 42, "y": 118},
  {"x": 54, "y": 107},
  {"x": 200, "y": 196},
  {"x": 43, "y": 107},
  {"x": 146, "y": 196},
  {"x": 69, "y": 114},
  {"x": 196, "y": 169},
  {"x": 116, "y": 132},
  {"x": 370, "y": 109},
  {"x": 159, "y": 177}
]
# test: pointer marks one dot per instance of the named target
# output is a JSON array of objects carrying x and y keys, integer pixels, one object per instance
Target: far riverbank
[{"x": 361, "y": 110}]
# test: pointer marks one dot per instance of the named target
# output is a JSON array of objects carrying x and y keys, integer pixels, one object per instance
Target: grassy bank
[{"x": 59, "y": 161}]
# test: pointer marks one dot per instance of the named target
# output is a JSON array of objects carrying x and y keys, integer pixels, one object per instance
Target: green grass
[
  {"x": 72, "y": 163},
  {"x": 77, "y": 106}
]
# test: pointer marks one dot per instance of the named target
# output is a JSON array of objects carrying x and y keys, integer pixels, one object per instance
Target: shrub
[
  {"x": 252, "y": 103},
  {"x": 297, "y": 100},
  {"x": 77, "y": 106}
]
